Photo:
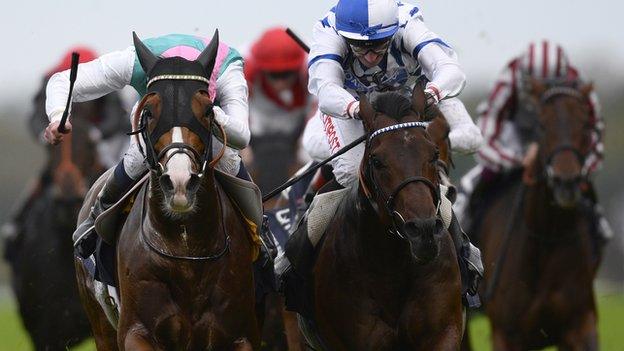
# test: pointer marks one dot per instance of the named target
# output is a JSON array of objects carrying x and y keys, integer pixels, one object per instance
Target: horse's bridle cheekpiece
[{"x": 397, "y": 218}]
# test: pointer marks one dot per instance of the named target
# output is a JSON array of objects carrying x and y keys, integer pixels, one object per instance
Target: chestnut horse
[
  {"x": 386, "y": 276},
  {"x": 543, "y": 292},
  {"x": 184, "y": 256}
]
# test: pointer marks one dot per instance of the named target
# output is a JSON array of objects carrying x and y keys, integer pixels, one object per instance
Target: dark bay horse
[
  {"x": 386, "y": 276},
  {"x": 41, "y": 256},
  {"x": 184, "y": 257},
  {"x": 544, "y": 293}
]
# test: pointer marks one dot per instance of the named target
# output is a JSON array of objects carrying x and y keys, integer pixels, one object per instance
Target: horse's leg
[
  {"x": 582, "y": 338},
  {"x": 103, "y": 332},
  {"x": 242, "y": 345},
  {"x": 291, "y": 328},
  {"x": 465, "y": 344},
  {"x": 136, "y": 342},
  {"x": 501, "y": 341}
]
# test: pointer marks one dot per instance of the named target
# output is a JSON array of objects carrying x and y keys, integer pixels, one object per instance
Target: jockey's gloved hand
[
  {"x": 353, "y": 110},
  {"x": 431, "y": 98},
  {"x": 52, "y": 134}
]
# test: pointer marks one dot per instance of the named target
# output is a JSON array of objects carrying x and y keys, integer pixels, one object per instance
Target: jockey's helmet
[
  {"x": 367, "y": 20},
  {"x": 545, "y": 61},
  {"x": 275, "y": 51}
]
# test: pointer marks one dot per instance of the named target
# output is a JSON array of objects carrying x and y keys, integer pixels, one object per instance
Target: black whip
[
  {"x": 296, "y": 38},
  {"x": 313, "y": 168},
  {"x": 72, "y": 78}
]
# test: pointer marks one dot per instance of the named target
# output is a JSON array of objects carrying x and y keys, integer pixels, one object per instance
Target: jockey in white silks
[
  {"x": 373, "y": 46},
  {"x": 368, "y": 46},
  {"x": 506, "y": 147},
  {"x": 114, "y": 71}
]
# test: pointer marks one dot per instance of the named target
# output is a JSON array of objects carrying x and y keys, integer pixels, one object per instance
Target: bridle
[
  {"x": 161, "y": 128},
  {"x": 398, "y": 221},
  {"x": 205, "y": 159},
  {"x": 544, "y": 98}
]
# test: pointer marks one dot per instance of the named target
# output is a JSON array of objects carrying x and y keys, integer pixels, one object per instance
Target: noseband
[{"x": 397, "y": 219}]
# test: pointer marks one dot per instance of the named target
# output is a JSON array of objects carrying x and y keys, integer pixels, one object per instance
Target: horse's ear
[
  {"x": 208, "y": 57},
  {"x": 418, "y": 100},
  {"x": 146, "y": 58},
  {"x": 587, "y": 89},
  {"x": 367, "y": 113}
]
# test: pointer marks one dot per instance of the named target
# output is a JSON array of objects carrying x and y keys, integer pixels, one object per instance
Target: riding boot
[
  {"x": 115, "y": 187},
  {"x": 471, "y": 266},
  {"x": 294, "y": 279}
]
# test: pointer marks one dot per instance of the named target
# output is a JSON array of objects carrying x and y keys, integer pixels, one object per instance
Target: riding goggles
[{"x": 361, "y": 48}]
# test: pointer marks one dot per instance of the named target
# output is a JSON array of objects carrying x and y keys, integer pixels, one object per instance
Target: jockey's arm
[
  {"x": 593, "y": 161},
  {"x": 502, "y": 148},
  {"x": 108, "y": 73},
  {"x": 445, "y": 81},
  {"x": 326, "y": 75},
  {"x": 233, "y": 110},
  {"x": 438, "y": 61}
]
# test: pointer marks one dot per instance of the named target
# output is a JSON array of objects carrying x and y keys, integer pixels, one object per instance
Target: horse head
[
  {"x": 74, "y": 164},
  {"x": 400, "y": 170},
  {"x": 563, "y": 134},
  {"x": 175, "y": 123}
]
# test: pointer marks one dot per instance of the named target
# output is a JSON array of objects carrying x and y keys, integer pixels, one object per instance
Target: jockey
[
  {"x": 371, "y": 46},
  {"x": 112, "y": 72},
  {"x": 368, "y": 46},
  {"x": 110, "y": 125},
  {"x": 279, "y": 102},
  {"x": 506, "y": 148}
]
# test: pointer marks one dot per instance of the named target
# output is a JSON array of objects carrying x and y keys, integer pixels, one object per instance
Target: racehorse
[
  {"x": 41, "y": 256},
  {"x": 386, "y": 276},
  {"x": 536, "y": 239},
  {"x": 184, "y": 258}
]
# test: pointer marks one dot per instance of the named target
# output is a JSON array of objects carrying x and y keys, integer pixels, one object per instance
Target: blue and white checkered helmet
[{"x": 367, "y": 19}]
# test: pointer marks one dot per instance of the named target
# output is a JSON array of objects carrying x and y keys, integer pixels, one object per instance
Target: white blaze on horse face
[{"x": 179, "y": 168}]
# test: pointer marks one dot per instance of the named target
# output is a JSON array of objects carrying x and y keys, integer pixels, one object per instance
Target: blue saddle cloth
[{"x": 282, "y": 220}]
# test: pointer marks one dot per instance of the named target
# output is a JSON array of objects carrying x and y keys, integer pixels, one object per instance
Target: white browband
[
  {"x": 397, "y": 127},
  {"x": 178, "y": 77}
]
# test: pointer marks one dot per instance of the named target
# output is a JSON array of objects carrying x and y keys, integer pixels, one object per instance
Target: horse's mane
[{"x": 393, "y": 105}]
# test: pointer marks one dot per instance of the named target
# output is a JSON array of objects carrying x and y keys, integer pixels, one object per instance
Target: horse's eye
[
  {"x": 377, "y": 163},
  {"x": 147, "y": 113},
  {"x": 436, "y": 157}
]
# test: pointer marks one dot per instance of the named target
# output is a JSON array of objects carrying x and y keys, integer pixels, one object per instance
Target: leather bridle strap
[{"x": 435, "y": 191}]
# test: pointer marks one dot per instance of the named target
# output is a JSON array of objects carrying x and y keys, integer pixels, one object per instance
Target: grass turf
[{"x": 13, "y": 337}]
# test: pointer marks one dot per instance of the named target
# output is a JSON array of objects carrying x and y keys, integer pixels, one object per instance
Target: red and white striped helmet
[{"x": 545, "y": 61}]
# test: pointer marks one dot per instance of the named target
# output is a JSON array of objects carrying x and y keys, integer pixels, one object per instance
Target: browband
[
  {"x": 397, "y": 127},
  {"x": 178, "y": 77}
]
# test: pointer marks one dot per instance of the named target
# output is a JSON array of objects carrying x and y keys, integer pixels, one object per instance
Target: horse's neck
[
  {"x": 544, "y": 217},
  {"x": 371, "y": 238}
]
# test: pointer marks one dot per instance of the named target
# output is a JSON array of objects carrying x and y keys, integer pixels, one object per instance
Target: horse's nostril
[
  {"x": 193, "y": 184},
  {"x": 439, "y": 226},
  {"x": 166, "y": 183}
]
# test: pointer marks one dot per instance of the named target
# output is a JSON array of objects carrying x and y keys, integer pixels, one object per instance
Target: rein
[{"x": 161, "y": 252}]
